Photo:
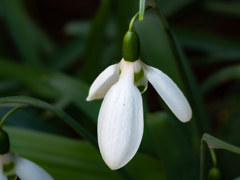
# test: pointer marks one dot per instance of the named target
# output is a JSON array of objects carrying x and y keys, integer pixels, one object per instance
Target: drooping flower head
[
  {"x": 13, "y": 167},
  {"x": 120, "y": 120}
]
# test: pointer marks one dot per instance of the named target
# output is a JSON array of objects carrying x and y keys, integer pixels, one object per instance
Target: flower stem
[
  {"x": 135, "y": 18},
  {"x": 203, "y": 161},
  {"x": 213, "y": 157},
  {"x": 7, "y": 115}
]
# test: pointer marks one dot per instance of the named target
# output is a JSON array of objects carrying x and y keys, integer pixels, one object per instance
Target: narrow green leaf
[
  {"x": 65, "y": 57},
  {"x": 222, "y": 76},
  {"x": 23, "y": 101},
  {"x": 77, "y": 91},
  {"x": 171, "y": 7},
  {"x": 93, "y": 45},
  {"x": 209, "y": 42},
  {"x": 142, "y": 9},
  {"x": 172, "y": 147},
  {"x": 216, "y": 58},
  {"x": 51, "y": 85},
  {"x": 215, "y": 143},
  {"x": 22, "y": 31},
  {"x": 227, "y": 8}
]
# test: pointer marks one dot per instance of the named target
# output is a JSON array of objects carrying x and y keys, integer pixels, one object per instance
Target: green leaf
[
  {"x": 63, "y": 58},
  {"x": 173, "y": 149},
  {"x": 215, "y": 143},
  {"x": 227, "y": 8},
  {"x": 171, "y": 7},
  {"x": 222, "y": 76},
  {"x": 27, "y": 36},
  {"x": 209, "y": 42},
  {"x": 94, "y": 42},
  {"x": 65, "y": 158},
  {"x": 77, "y": 91},
  {"x": 19, "y": 101},
  {"x": 216, "y": 58},
  {"x": 51, "y": 85}
]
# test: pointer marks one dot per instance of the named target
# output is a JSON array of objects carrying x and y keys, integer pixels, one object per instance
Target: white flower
[
  {"x": 120, "y": 120},
  {"x": 13, "y": 167}
]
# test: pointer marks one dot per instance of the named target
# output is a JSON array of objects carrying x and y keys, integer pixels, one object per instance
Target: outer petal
[
  {"x": 103, "y": 82},
  {"x": 170, "y": 93},
  {"x": 27, "y": 170},
  {"x": 120, "y": 121}
]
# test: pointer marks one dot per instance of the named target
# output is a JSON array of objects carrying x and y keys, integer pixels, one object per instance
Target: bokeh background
[{"x": 53, "y": 50}]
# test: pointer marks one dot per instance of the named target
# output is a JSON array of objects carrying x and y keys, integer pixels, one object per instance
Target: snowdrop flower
[
  {"x": 13, "y": 167},
  {"x": 120, "y": 120}
]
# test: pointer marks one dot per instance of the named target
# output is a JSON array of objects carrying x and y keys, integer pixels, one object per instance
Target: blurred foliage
[{"x": 53, "y": 50}]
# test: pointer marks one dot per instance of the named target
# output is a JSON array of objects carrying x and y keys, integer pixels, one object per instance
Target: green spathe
[
  {"x": 4, "y": 142},
  {"x": 131, "y": 46}
]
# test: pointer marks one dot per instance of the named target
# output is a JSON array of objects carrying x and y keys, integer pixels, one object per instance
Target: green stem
[
  {"x": 7, "y": 115},
  {"x": 203, "y": 161},
  {"x": 214, "y": 158},
  {"x": 135, "y": 18}
]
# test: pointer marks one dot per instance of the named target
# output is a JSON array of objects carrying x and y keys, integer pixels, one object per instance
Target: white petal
[
  {"x": 27, "y": 170},
  {"x": 169, "y": 92},
  {"x": 103, "y": 82},
  {"x": 2, "y": 176},
  {"x": 120, "y": 121}
]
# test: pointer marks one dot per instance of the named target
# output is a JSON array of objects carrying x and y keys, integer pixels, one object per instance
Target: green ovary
[
  {"x": 138, "y": 75},
  {"x": 8, "y": 167}
]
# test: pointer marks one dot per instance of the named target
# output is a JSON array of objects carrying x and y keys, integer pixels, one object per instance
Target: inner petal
[{"x": 140, "y": 79}]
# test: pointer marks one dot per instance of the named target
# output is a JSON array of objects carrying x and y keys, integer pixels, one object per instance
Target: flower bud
[
  {"x": 4, "y": 142},
  {"x": 131, "y": 47},
  {"x": 215, "y": 174}
]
